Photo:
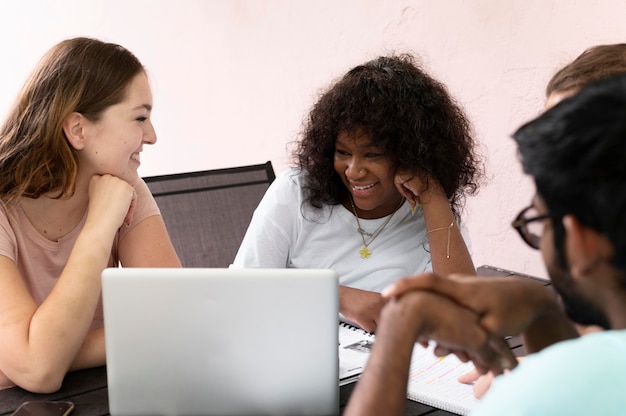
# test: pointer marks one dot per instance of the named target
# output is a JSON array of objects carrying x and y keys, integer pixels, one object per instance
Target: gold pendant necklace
[{"x": 366, "y": 252}]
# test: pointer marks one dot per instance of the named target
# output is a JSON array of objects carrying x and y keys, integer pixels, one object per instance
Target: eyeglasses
[{"x": 527, "y": 225}]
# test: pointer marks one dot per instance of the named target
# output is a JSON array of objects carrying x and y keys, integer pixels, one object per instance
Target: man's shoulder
[
  {"x": 604, "y": 344},
  {"x": 571, "y": 376},
  {"x": 594, "y": 353}
]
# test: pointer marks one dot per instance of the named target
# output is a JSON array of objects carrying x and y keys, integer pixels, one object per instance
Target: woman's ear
[{"x": 73, "y": 129}]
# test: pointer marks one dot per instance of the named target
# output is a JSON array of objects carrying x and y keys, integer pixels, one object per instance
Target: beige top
[{"x": 41, "y": 261}]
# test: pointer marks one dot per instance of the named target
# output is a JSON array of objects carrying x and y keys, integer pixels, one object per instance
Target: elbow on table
[{"x": 41, "y": 382}]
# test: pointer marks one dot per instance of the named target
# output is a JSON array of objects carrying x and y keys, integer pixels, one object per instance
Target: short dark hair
[
  {"x": 576, "y": 154},
  {"x": 406, "y": 113}
]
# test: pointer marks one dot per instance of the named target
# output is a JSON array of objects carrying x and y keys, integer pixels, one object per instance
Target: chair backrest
[{"x": 208, "y": 212}]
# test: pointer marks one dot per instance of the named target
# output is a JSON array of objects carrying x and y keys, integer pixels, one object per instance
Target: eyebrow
[
  {"x": 365, "y": 146},
  {"x": 146, "y": 106}
]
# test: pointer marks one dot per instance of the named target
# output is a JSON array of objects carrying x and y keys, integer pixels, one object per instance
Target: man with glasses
[{"x": 576, "y": 154}]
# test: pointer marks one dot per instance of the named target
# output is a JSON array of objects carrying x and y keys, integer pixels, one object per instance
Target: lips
[
  {"x": 363, "y": 187},
  {"x": 362, "y": 190}
]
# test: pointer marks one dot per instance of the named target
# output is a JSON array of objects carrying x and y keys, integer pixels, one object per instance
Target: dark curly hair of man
[{"x": 404, "y": 112}]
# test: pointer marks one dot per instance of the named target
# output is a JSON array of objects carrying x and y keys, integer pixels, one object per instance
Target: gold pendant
[{"x": 365, "y": 252}]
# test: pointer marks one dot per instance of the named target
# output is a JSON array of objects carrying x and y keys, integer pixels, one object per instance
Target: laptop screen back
[{"x": 221, "y": 341}]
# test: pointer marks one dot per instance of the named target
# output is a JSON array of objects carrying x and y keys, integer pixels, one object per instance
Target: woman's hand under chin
[
  {"x": 410, "y": 186},
  {"x": 418, "y": 189}
]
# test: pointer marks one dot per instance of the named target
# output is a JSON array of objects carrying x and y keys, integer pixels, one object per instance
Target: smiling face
[
  {"x": 112, "y": 144},
  {"x": 367, "y": 173}
]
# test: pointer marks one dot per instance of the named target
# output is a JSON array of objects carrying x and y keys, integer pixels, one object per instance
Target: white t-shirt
[{"x": 287, "y": 232}]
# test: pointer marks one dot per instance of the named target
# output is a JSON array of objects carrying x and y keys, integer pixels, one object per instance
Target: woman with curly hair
[{"x": 382, "y": 168}]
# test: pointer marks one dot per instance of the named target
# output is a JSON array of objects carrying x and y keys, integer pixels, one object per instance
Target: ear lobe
[{"x": 73, "y": 129}]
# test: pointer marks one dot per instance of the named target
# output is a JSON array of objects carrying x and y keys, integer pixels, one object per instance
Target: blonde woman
[{"x": 72, "y": 204}]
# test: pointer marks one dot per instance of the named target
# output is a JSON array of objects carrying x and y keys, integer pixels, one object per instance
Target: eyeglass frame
[{"x": 520, "y": 224}]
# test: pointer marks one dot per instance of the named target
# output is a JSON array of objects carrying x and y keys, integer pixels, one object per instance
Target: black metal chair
[{"x": 208, "y": 212}]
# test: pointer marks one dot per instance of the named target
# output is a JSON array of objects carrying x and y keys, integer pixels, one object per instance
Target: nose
[
  {"x": 150, "y": 136},
  {"x": 355, "y": 169}
]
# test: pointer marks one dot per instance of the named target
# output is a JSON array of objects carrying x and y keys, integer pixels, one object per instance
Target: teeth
[
  {"x": 362, "y": 188},
  {"x": 135, "y": 156}
]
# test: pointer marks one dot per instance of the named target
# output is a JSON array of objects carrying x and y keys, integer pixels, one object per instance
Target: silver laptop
[{"x": 221, "y": 341}]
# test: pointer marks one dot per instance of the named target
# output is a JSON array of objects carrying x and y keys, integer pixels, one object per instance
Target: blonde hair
[
  {"x": 593, "y": 64},
  {"x": 77, "y": 75}
]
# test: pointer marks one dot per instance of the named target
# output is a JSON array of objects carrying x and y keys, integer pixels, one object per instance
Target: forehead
[
  {"x": 558, "y": 96},
  {"x": 355, "y": 138},
  {"x": 138, "y": 91}
]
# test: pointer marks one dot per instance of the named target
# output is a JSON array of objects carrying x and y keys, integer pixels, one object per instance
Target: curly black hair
[{"x": 406, "y": 113}]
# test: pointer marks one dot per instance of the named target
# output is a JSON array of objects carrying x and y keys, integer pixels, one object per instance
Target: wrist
[
  {"x": 437, "y": 212},
  {"x": 551, "y": 325},
  {"x": 405, "y": 318}
]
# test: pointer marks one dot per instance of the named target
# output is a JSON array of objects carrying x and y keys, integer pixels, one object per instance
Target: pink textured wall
[{"x": 233, "y": 79}]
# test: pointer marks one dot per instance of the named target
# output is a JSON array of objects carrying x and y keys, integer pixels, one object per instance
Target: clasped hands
[{"x": 467, "y": 316}]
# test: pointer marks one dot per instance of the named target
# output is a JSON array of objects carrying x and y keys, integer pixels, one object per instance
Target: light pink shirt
[{"x": 41, "y": 261}]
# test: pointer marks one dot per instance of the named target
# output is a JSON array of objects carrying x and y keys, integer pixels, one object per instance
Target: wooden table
[{"x": 87, "y": 389}]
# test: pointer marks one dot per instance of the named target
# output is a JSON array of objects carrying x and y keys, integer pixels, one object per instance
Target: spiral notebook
[
  {"x": 432, "y": 379},
  {"x": 354, "y": 350}
]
